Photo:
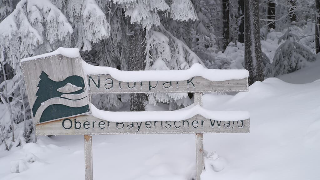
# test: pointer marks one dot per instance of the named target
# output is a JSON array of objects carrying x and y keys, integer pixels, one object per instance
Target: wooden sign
[
  {"x": 91, "y": 125},
  {"x": 59, "y": 89},
  {"x": 107, "y": 84}
]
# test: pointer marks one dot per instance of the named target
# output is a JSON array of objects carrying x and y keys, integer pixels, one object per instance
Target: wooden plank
[
  {"x": 107, "y": 84},
  {"x": 88, "y": 157},
  {"x": 89, "y": 125}
]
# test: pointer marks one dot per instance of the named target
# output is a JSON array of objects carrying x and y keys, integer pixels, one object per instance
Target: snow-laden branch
[{"x": 29, "y": 25}]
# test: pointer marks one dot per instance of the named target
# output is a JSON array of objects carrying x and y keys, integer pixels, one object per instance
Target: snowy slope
[
  {"x": 284, "y": 144},
  {"x": 285, "y": 133}
]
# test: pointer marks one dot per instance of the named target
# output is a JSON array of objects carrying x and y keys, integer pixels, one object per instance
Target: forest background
[{"x": 267, "y": 37}]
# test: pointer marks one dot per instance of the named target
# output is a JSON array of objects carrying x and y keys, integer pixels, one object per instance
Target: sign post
[
  {"x": 88, "y": 157},
  {"x": 199, "y": 142},
  {"x": 59, "y": 89}
]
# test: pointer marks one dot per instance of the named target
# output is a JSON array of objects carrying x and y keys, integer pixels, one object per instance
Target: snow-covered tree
[
  {"x": 21, "y": 34},
  {"x": 149, "y": 48},
  {"x": 290, "y": 56},
  {"x": 36, "y": 27},
  {"x": 7, "y": 6},
  {"x": 30, "y": 25}
]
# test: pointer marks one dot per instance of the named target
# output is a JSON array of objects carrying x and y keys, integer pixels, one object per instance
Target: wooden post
[
  {"x": 199, "y": 154},
  {"x": 88, "y": 157},
  {"x": 199, "y": 141}
]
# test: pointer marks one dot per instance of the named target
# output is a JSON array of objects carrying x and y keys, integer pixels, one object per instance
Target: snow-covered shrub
[{"x": 290, "y": 56}]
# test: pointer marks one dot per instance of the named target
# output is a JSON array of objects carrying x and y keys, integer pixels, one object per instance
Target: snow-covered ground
[{"x": 284, "y": 143}]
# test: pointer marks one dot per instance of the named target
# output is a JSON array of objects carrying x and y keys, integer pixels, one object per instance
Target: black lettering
[
  {"x": 176, "y": 125},
  {"x": 215, "y": 122},
  {"x": 110, "y": 83},
  {"x": 168, "y": 125},
  {"x": 120, "y": 85},
  {"x": 227, "y": 124},
  {"x": 93, "y": 124},
  {"x": 212, "y": 124},
  {"x": 131, "y": 125},
  {"x": 202, "y": 122},
  {"x": 97, "y": 85},
  {"x": 148, "y": 124},
  {"x": 241, "y": 124},
  {"x": 232, "y": 125},
  {"x": 85, "y": 124},
  {"x": 155, "y": 123},
  {"x": 134, "y": 85},
  {"x": 64, "y": 122},
  {"x": 117, "y": 125},
  {"x": 195, "y": 124},
  {"x": 190, "y": 81},
  {"x": 76, "y": 123},
  {"x": 139, "y": 126},
  {"x": 152, "y": 87},
  {"x": 168, "y": 86},
  {"x": 102, "y": 124},
  {"x": 184, "y": 121}
]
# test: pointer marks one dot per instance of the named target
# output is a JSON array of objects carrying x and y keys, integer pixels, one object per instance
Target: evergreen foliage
[
  {"x": 151, "y": 35},
  {"x": 290, "y": 56}
]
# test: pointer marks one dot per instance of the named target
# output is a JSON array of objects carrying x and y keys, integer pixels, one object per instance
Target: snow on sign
[{"x": 59, "y": 85}]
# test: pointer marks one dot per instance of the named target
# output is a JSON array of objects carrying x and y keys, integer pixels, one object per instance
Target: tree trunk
[
  {"x": 292, "y": 14},
  {"x": 271, "y": 14},
  {"x": 253, "y": 54},
  {"x": 241, "y": 19},
  {"x": 6, "y": 99},
  {"x": 136, "y": 62},
  {"x": 226, "y": 28},
  {"x": 317, "y": 38}
]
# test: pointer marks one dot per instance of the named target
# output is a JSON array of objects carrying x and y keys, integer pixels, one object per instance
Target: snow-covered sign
[
  {"x": 59, "y": 85},
  {"x": 195, "y": 79}
]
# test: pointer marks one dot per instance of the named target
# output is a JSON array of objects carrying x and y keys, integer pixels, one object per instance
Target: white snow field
[{"x": 284, "y": 143}]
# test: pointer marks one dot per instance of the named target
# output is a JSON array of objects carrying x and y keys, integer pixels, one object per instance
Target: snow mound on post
[
  {"x": 68, "y": 52},
  {"x": 178, "y": 115}
]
